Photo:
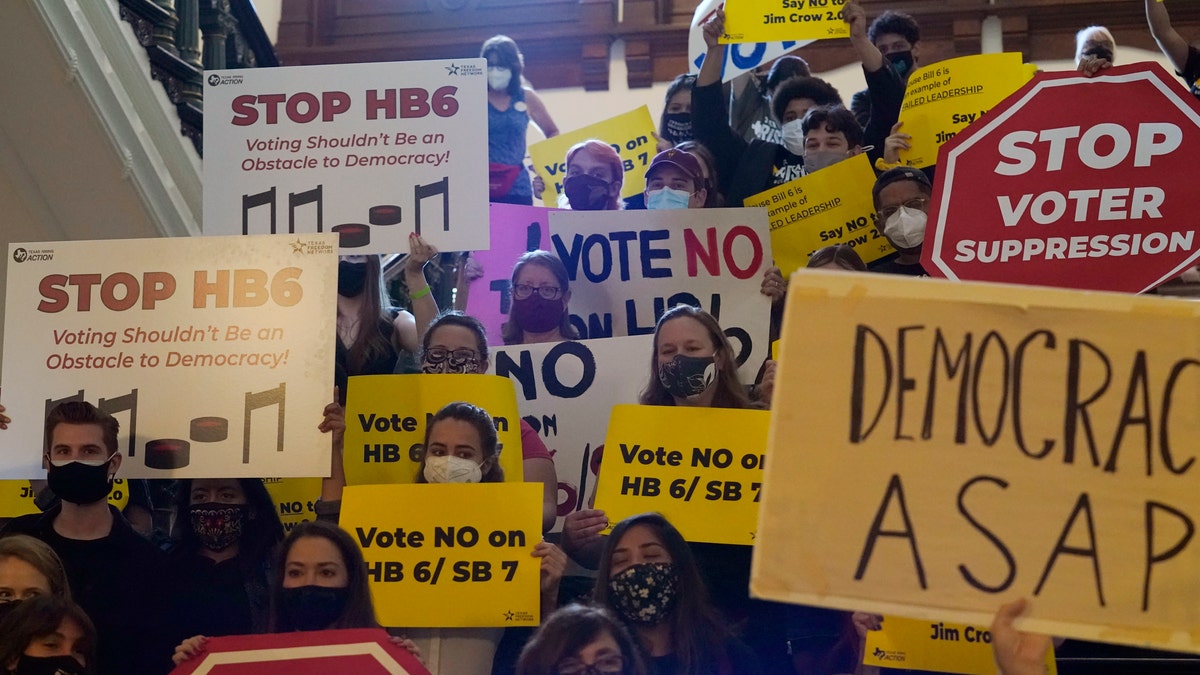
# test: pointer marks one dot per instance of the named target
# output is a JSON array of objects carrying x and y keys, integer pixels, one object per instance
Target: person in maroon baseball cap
[{"x": 675, "y": 180}]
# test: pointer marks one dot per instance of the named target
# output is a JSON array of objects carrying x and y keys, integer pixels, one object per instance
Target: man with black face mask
[
  {"x": 898, "y": 38},
  {"x": 115, "y": 574}
]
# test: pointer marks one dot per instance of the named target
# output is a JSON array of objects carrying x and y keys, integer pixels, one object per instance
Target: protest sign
[
  {"x": 1077, "y": 182},
  {"x": 943, "y": 98},
  {"x": 958, "y": 445},
  {"x": 515, "y": 230},
  {"x": 699, "y": 467},
  {"x": 767, "y": 20},
  {"x": 215, "y": 354},
  {"x": 565, "y": 391},
  {"x": 372, "y": 151},
  {"x": 830, "y": 206},
  {"x": 739, "y": 58},
  {"x": 16, "y": 497},
  {"x": 625, "y": 272},
  {"x": 631, "y": 134},
  {"x": 386, "y": 418},
  {"x": 363, "y": 651},
  {"x": 294, "y": 499},
  {"x": 913, "y": 644},
  {"x": 449, "y": 555}
]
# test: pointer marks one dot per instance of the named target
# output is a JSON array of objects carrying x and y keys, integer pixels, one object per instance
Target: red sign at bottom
[{"x": 363, "y": 651}]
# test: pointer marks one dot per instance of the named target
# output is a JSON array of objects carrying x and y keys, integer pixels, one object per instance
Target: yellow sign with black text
[
  {"x": 699, "y": 467},
  {"x": 913, "y": 644},
  {"x": 16, "y": 497},
  {"x": 940, "y": 448},
  {"x": 294, "y": 498},
  {"x": 830, "y": 206},
  {"x": 776, "y": 20},
  {"x": 386, "y": 417},
  {"x": 941, "y": 99},
  {"x": 631, "y": 134},
  {"x": 449, "y": 555}
]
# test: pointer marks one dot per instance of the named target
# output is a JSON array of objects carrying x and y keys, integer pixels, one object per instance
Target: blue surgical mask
[{"x": 667, "y": 198}]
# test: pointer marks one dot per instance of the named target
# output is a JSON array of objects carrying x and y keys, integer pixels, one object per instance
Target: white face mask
[
  {"x": 906, "y": 227},
  {"x": 498, "y": 78},
  {"x": 793, "y": 137},
  {"x": 450, "y": 469}
]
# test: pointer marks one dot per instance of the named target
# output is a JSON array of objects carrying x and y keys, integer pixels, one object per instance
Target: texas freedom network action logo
[
  {"x": 888, "y": 655},
  {"x": 21, "y": 254},
  {"x": 215, "y": 79}
]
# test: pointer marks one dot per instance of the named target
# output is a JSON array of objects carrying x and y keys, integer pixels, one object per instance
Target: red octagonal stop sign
[
  {"x": 1072, "y": 182},
  {"x": 364, "y": 651}
]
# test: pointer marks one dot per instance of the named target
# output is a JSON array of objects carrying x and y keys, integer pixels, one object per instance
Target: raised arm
[
  {"x": 425, "y": 308},
  {"x": 539, "y": 114},
  {"x": 1169, "y": 40},
  {"x": 868, "y": 53}
]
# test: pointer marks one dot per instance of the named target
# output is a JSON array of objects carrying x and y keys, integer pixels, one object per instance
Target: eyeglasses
[
  {"x": 457, "y": 356},
  {"x": 917, "y": 203},
  {"x": 523, "y": 291},
  {"x": 610, "y": 664}
]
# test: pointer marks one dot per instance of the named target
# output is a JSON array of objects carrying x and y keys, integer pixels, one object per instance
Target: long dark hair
[
  {"x": 482, "y": 421},
  {"x": 698, "y": 633},
  {"x": 38, "y": 617},
  {"x": 730, "y": 392},
  {"x": 510, "y": 331},
  {"x": 374, "y": 337},
  {"x": 507, "y": 55},
  {"x": 567, "y": 631},
  {"x": 261, "y": 532},
  {"x": 359, "y": 611}
]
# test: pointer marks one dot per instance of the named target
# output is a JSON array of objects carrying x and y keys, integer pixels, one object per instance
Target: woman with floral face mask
[
  {"x": 650, "y": 579},
  {"x": 511, "y": 105},
  {"x": 227, "y": 530},
  {"x": 540, "y": 293}
]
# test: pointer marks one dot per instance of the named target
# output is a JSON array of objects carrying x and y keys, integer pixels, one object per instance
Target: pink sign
[{"x": 515, "y": 229}]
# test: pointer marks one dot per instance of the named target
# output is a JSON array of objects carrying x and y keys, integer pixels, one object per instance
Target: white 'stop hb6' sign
[{"x": 1073, "y": 182}]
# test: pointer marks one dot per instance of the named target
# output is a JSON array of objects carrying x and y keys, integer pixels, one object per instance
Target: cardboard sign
[
  {"x": 565, "y": 391},
  {"x": 215, "y": 354},
  {"x": 294, "y": 499},
  {"x": 1074, "y": 182},
  {"x": 626, "y": 271},
  {"x": 767, "y": 20},
  {"x": 16, "y": 497},
  {"x": 830, "y": 206},
  {"x": 631, "y": 134},
  {"x": 939, "y": 647},
  {"x": 386, "y": 418},
  {"x": 372, "y": 151},
  {"x": 739, "y": 58},
  {"x": 959, "y": 445},
  {"x": 515, "y": 230},
  {"x": 699, "y": 467},
  {"x": 449, "y": 555},
  {"x": 943, "y": 98},
  {"x": 364, "y": 651}
]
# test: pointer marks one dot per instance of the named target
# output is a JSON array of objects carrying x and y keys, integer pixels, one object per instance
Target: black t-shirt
[
  {"x": 786, "y": 167},
  {"x": 888, "y": 265},
  {"x": 217, "y": 598},
  {"x": 739, "y": 660}
]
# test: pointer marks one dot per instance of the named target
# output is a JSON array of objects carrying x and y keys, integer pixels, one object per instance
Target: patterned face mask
[
  {"x": 439, "y": 360},
  {"x": 687, "y": 376},
  {"x": 645, "y": 593},
  {"x": 217, "y": 526}
]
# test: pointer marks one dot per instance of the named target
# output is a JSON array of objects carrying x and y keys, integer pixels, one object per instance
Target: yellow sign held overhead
[
  {"x": 631, "y": 134},
  {"x": 449, "y": 555},
  {"x": 771, "y": 20},
  {"x": 386, "y": 415},
  {"x": 699, "y": 467}
]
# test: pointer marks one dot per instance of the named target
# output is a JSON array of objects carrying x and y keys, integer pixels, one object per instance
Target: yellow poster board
[
  {"x": 913, "y": 644},
  {"x": 631, "y": 134},
  {"x": 830, "y": 206},
  {"x": 294, "y": 499},
  {"x": 771, "y": 20},
  {"x": 450, "y": 555},
  {"x": 943, "y": 98},
  {"x": 386, "y": 415},
  {"x": 16, "y": 497},
  {"x": 940, "y": 448},
  {"x": 699, "y": 467}
]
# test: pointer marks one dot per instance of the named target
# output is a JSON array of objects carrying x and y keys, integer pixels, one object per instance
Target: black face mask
[
  {"x": 902, "y": 62},
  {"x": 313, "y": 607},
  {"x": 7, "y": 607},
  {"x": 80, "y": 483},
  {"x": 677, "y": 127},
  {"x": 586, "y": 193},
  {"x": 49, "y": 665},
  {"x": 352, "y": 278}
]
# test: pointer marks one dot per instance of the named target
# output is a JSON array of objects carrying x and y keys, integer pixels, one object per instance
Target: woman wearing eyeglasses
[
  {"x": 540, "y": 292},
  {"x": 457, "y": 343},
  {"x": 581, "y": 640}
]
